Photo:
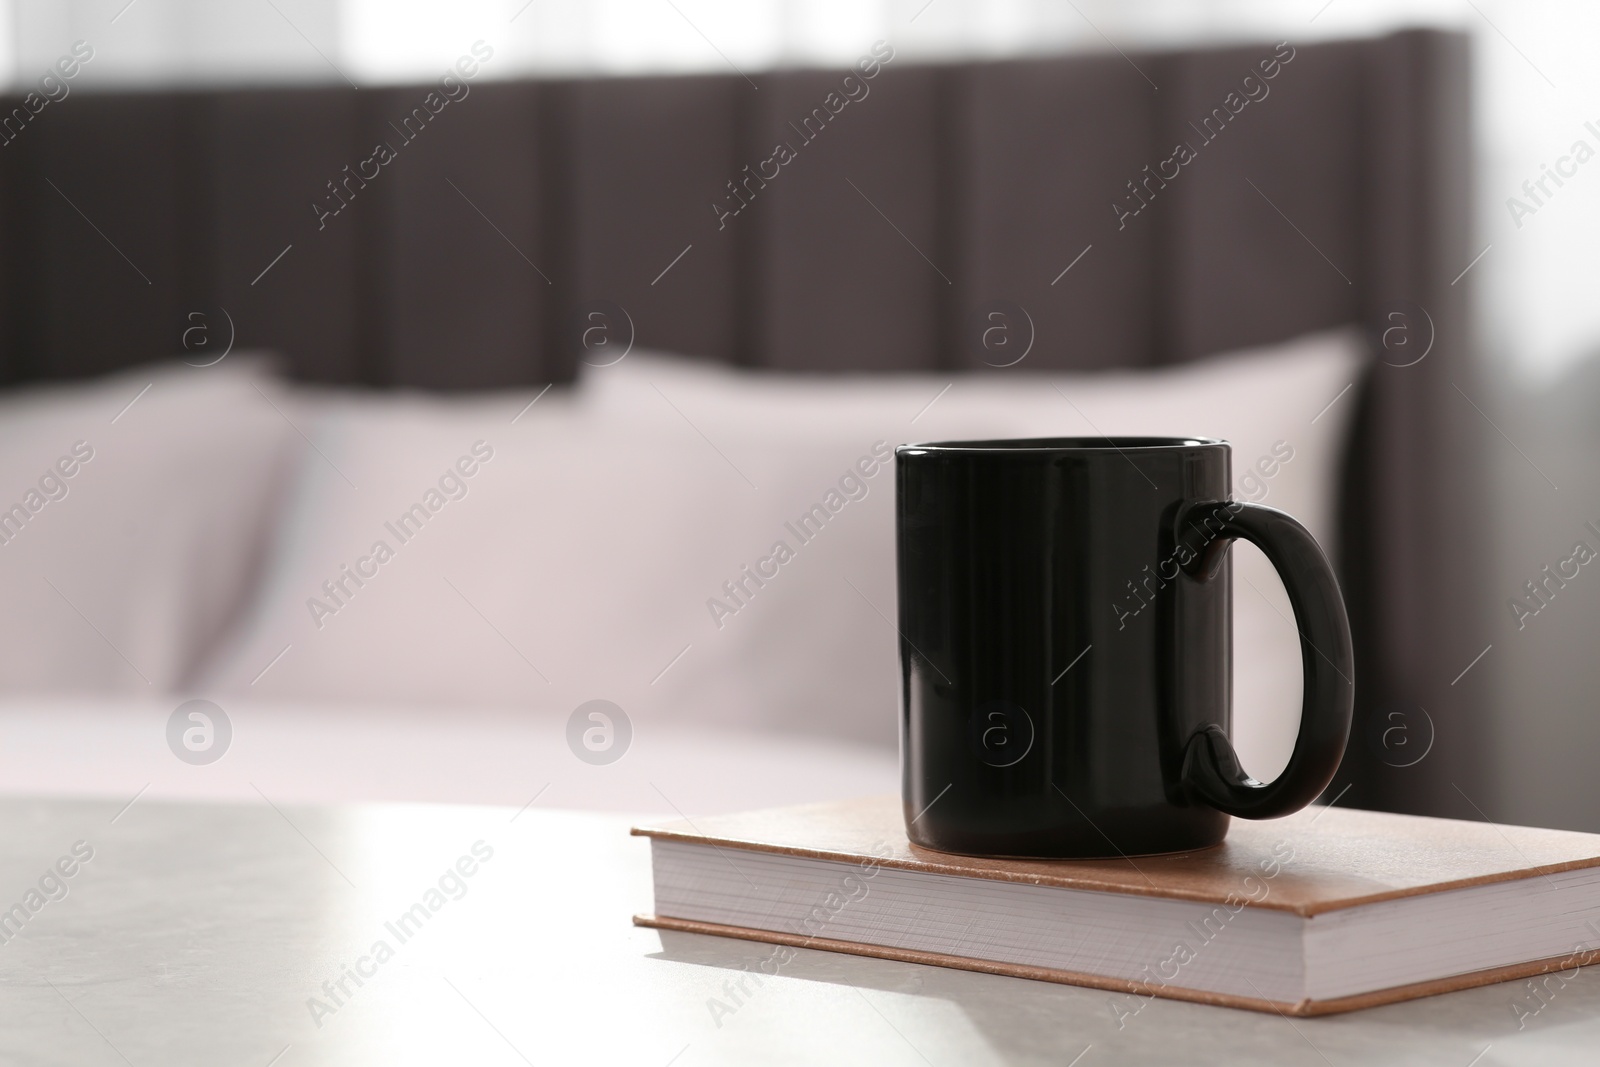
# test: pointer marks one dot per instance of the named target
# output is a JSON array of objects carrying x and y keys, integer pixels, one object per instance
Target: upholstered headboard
[{"x": 1134, "y": 210}]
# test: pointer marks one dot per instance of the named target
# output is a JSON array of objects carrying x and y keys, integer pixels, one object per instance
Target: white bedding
[
  {"x": 542, "y": 550},
  {"x": 118, "y": 577},
  {"x": 306, "y": 752},
  {"x": 587, "y": 557}
]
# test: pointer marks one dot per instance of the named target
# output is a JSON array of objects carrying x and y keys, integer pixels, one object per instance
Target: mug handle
[{"x": 1211, "y": 769}]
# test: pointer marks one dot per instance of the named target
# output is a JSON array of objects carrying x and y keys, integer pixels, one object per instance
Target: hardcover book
[{"x": 1327, "y": 910}]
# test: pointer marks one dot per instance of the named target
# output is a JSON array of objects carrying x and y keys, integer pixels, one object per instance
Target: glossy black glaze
[{"x": 1065, "y": 650}]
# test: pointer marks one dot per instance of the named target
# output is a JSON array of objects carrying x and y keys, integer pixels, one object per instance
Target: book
[{"x": 1328, "y": 910}]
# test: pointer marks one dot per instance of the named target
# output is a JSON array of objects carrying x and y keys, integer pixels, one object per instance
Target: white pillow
[
  {"x": 584, "y": 557},
  {"x": 133, "y": 510}
]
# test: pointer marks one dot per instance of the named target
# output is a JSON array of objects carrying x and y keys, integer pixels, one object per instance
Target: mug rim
[{"x": 1101, "y": 443}]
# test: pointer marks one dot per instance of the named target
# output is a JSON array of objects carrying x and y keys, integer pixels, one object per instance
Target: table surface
[{"x": 204, "y": 933}]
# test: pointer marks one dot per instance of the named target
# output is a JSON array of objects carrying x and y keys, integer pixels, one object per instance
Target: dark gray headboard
[{"x": 473, "y": 259}]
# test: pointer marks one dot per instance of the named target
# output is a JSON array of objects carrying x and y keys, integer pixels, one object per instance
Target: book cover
[{"x": 1314, "y": 863}]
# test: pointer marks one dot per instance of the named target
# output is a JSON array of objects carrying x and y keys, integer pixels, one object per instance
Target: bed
[{"x": 1100, "y": 214}]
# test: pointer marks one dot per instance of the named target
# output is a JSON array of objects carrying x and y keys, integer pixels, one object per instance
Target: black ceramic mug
[{"x": 1066, "y": 609}]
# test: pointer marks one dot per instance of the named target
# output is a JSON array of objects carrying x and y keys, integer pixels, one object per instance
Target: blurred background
[{"x": 252, "y": 443}]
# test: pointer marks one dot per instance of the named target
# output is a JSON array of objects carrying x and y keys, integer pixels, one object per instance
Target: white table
[{"x": 198, "y": 932}]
